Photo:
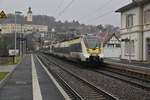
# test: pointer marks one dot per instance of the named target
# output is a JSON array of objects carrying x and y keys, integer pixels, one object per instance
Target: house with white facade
[
  {"x": 112, "y": 47},
  {"x": 135, "y": 30}
]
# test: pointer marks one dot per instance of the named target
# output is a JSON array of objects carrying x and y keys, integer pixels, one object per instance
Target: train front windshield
[{"x": 92, "y": 42}]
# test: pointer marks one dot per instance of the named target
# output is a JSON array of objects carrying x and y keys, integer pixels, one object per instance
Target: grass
[
  {"x": 9, "y": 61},
  {"x": 2, "y": 75},
  {"x": 18, "y": 59}
]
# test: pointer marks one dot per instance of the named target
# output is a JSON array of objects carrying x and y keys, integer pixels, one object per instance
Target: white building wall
[
  {"x": 112, "y": 52},
  {"x": 137, "y": 47},
  {"x": 140, "y": 32},
  {"x": 136, "y": 19},
  {"x": 135, "y": 31},
  {"x": 29, "y": 17},
  {"x": 146, "y": 36},
  {"x": 11, "y": 28}
]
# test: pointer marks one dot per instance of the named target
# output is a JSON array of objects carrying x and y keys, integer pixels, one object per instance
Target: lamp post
[{"x": 16, "y": 13}]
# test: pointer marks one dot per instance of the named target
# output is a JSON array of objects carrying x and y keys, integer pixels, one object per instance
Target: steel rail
[
  {"x": 71, "y": 92},
  {"x": 107, "y": 95}
]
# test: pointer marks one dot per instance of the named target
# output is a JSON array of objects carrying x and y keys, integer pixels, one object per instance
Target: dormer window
[{"x": 129, "y": 20}]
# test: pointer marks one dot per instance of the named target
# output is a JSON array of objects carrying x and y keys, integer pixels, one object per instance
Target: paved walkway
[
  {"x": 7, "y": 68},
  {"x": 47, "y": 87},
  {"x": 19, "y": 86},
  {"x": 30, "y": 81}
]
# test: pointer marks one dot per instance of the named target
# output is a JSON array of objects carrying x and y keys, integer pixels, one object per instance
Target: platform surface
[
  {"x": 20, "y": 84},
  {"x": 145, "y": 65}
]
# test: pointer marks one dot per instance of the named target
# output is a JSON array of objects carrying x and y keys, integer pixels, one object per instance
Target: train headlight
[
  {"x": 88, "y": 50},
  {"x": 94, "y": 51}
]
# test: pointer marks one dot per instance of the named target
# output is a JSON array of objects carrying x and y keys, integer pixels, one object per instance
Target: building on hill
[
  {"x": 29, "y": 15},
  {"x": 22, "y": 28},
  {"x": 28, "y": 27},
  {"x": 135, "y": 30}
]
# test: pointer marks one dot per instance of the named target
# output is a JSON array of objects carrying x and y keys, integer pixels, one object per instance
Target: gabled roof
[
  {"x": 133, "y": 5},
  {"x": 109, "y": 36}
]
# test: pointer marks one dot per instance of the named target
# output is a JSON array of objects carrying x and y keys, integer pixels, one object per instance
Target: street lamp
[{"x": 16, "y": 13}]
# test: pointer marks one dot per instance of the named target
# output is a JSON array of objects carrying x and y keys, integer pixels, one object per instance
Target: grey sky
[{"x": 86, "y": 11}]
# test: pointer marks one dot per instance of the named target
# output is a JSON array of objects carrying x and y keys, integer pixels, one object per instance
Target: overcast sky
[{"x": 85, "y": 11}]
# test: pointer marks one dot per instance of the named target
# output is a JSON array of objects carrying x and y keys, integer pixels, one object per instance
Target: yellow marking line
[{"x": 35, "y": 83}]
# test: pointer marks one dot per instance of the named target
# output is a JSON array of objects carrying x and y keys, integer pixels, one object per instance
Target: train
[{"x": 86, "y": 48}]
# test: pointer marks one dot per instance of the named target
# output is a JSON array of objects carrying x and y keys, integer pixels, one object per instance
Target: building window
[
  {"x": 126, "y": 48},
  {"x": 147, "y": 17},
  {"x": 118, "y": 45},
  {"x": 110, "y": 45},
  {"x": 129, "y": 47},
  {"x": 129, "y": 20},
  {"x": 132, "y": 47}
]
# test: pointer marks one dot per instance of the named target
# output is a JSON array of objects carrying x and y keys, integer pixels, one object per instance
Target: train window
[
  {"x": 92, "y": 42},
  {"x": 76, "y": 47}
]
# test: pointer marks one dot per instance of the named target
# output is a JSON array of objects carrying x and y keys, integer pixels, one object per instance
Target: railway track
[
  {"x": 124, "y": 77},
  {"x": 121, "y": 76},
  {"x": 71, "y": 93},
  {"x": 116, "y": 85},
  {"x": 118, "y": 75},
  {"x": 91, "y": 92},
  {"x": 139, "y": 83}
]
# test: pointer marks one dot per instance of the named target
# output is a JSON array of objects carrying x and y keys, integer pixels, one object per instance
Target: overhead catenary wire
[
  {"x": 65, "y": 8},
  {"x": 96, "y": 10},
  {"x": 60, "y": 5},
  {"x": 102, "y": 15}
]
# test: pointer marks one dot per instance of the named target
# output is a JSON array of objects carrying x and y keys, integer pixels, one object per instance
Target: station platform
[
  {"x": 7, "y": 68},
  {"x": 29, "y": 81},
  {"x": 144, "y": 65}
]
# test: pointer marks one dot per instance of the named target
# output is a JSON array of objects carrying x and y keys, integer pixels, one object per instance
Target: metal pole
[
  {"x": 16, "y": 12},
  {"x": 15, "y": 39},
  {"x": 20, "y": 44},
  {"x": 21, "y": 41}
]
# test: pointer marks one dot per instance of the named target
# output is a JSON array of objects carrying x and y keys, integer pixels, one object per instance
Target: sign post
[{"x": 13, "y": 53}]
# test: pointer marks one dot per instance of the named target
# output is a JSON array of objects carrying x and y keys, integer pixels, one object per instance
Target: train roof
[
  {"x": 76, "y": 39},
  {"x": 66, "y": 42}
]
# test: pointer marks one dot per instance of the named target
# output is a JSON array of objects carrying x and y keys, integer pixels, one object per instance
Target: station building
[
  {"x": 27, "y": 28},
  {"x": 135, "y": 30}
]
